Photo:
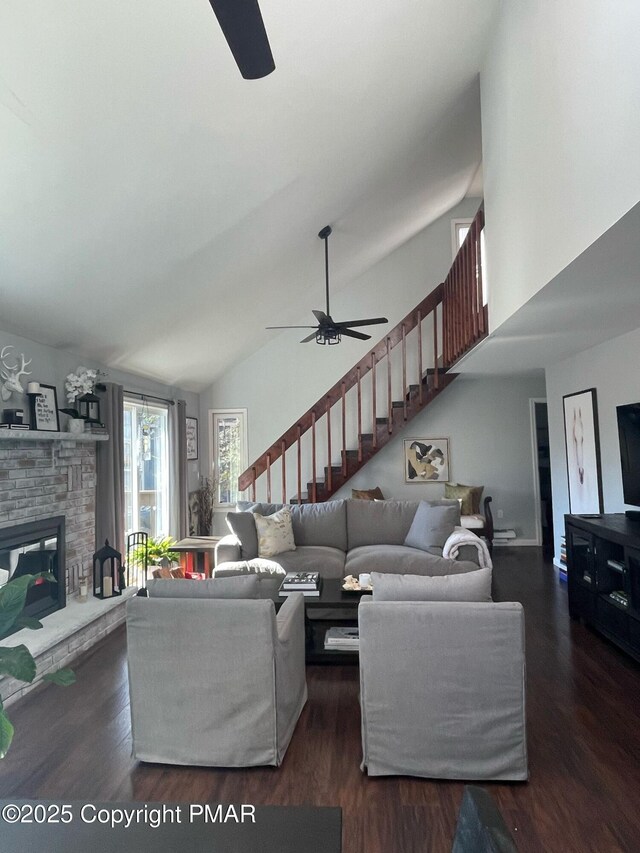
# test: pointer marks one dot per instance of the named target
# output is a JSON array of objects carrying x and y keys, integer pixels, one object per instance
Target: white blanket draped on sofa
[{"x": 462, "y": 536}]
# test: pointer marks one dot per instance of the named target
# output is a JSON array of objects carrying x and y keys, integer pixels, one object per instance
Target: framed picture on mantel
[
  {"x": 582, "y": 445},
  {"x": 45, "y": 409}
]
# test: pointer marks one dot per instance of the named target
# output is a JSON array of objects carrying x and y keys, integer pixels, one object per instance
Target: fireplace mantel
[{"x": 46, "y": 435}]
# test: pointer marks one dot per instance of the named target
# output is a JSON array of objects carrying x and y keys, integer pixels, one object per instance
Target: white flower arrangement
[{"x": 79, "y": 383}]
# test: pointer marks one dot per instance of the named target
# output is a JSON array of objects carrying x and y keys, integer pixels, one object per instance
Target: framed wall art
[
  {"x": 45, "y": 409},
  {"x": 192, "y": 438},
  {"x": 426, "y": 460},
  {"x": 582, "y": 445}
]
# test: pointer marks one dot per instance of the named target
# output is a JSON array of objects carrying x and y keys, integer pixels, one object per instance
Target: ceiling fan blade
[
  {"x": 290, "y": 327},
  {"x": 243, "y": 28},
  {"x": 321, "y": 317},
  {"x": 357, "y": 335},
  {"x": 310, "y": 337},
  {"x": 373, "y": 321}
]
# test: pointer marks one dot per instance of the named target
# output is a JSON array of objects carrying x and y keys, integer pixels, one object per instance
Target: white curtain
[
  {"x": 110, "y": 470},
  {"x": 178, "y": 470}
]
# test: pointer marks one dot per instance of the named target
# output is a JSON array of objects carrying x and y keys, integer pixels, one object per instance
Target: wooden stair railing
[{"x": 425, "y": 343}]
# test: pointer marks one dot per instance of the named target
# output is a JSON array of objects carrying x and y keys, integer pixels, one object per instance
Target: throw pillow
[
  {"x": 432, "y": 526},
  {"x": 243, "y": 587},
  {"x": 275, "y": 533},
  {"x": 471, "y": 586},
  {"x": 243, "y": 526},
  {"x": 470, "y": 496},
  {"x": 367, "y": 494}
]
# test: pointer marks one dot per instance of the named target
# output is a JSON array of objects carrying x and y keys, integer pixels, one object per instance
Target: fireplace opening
[{"x": 30, "y": 548}]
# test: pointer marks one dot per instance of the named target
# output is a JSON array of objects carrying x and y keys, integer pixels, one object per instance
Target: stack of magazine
[
  {"x": 342, "y": 639},
  {"x": 308, "y": 583}
]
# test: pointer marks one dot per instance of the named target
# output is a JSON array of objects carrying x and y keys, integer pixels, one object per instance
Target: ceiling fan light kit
[{"x": 329, "y": 332}]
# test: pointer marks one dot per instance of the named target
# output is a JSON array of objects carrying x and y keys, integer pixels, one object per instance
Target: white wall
[
  {"x": 51, "y": 366},
  {"x": 487, "y": 422},
  {"x": 610, "y": 368},
  {"x": 560, "y": 137},
  {"x": 284, "y": 378}
]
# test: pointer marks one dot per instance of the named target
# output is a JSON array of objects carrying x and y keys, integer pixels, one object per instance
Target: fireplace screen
[{"x": 27, "y": 549}]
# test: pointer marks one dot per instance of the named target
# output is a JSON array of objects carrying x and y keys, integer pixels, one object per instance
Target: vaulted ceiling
[{"x": 157, "y": 210}]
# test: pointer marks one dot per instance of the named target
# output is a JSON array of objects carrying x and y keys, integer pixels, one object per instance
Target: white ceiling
[{"x": 157, "y": 210}]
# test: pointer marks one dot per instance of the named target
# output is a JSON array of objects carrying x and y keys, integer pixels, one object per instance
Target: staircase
[{"x": 401, "y": 375}]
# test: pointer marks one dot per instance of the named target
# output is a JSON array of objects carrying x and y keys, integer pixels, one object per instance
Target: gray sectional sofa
[{"x": 342, "y": 537}]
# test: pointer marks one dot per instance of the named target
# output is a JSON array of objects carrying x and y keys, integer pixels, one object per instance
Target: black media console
[{"x": 603, "y": 575}]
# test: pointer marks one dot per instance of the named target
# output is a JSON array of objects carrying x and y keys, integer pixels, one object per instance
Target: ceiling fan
[
  {"x": 328, "y": 330},
  {"x": 243, "y": 28}
]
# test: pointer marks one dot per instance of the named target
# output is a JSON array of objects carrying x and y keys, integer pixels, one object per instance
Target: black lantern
[
  {"x": 108, "y": 572},
  {"x": 89, "y": 408}
]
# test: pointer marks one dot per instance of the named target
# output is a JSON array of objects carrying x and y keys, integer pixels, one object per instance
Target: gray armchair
[
  {"x": 442, "y": 689},
  {"x": 215, "y": 682}
]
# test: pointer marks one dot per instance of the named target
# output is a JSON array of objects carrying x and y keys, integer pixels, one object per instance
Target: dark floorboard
[{"x": 583, "y": 735}]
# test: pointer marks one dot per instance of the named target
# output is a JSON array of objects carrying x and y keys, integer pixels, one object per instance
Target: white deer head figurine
[{"x": 11, "y": 374}]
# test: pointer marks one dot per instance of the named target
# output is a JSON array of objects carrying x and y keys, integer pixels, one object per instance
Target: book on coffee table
[
  {"x": 300, "y": 581},
  {"x": 345, "y": 639}
]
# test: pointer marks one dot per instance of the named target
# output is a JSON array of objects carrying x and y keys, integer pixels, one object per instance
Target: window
[
  {"x": 459, "y": 230},
  {"x": 146, "y": 468},
  {"x": 228, "y": 444}
]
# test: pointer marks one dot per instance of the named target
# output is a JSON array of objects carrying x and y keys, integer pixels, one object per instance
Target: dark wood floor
[{"x": 583, "y": 733}]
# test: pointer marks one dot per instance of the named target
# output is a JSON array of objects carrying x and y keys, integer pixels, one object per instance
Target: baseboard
[{"x": 517, "y": 543}]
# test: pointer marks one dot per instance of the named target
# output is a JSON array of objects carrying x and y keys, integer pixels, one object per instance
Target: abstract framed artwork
[
  {"x": 582, "y": 445},
  {"x": 192, "y": 438},
  {"x": 426, "y": 460}
]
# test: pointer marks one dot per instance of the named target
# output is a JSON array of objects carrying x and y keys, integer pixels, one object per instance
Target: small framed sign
[
  {"x": 192, "y": 438},
  {"x": 45, "y": 409}
]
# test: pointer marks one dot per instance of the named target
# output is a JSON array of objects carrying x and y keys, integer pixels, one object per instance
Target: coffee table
[{"x": 331, "y": 598}]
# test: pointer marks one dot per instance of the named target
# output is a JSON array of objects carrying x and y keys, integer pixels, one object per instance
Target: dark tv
[{"x": 629, "y": 434}]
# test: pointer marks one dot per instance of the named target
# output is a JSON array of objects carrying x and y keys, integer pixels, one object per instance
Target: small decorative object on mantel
[
  {"x": 11, "y": 372},
  {"x": 89, "y": 408},
  {"x": 81, "y": 382},
  {"x": 108, "y": 572},
  {"x": 83, "y": 586}
]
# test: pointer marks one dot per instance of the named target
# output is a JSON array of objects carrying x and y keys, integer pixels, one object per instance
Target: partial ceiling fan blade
[
  {"x": 357, "y": 335},
  {"x": 243, "y": 28},
  {"x": 321, "y": 317},
  {"x": 353, "y": 323},
  {"x": 290, "y": 327},
  {"x": 310, "y": 337}
]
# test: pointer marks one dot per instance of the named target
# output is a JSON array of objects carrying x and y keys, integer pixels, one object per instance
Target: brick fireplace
[{"x": 56, "y": 477}]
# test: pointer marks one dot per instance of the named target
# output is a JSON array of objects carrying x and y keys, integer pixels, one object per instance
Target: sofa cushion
[
  {"x": 378, "y": 522},
  {"x": 472, "y": 522},
  {"x": 398, "y": 559},
  {"x": 275, "y": 533},
  {"x": 243, "y": 526},
  {"x": 432, "y": 526},
  {"x": 471, "y": 586},
  {"x": 313, "y": 524},
  {"x": 314, "y": 558},
  {"x": 239, "y": 587},
  {"x": 469, "y": 495}
]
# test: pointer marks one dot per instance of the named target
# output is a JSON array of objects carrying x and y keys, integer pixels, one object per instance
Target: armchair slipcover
[
  {"x": 215, "y": 682},
  {"x": 442, "y": 689}
]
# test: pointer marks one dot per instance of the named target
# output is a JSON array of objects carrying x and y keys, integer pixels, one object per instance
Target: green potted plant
[
  {"x": 17, "y": 661},
  {"x": 158, "y": 550}
]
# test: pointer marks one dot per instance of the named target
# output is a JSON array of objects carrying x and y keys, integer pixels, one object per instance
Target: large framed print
[
  {"x": 45, "y": 409},
  {"x": 582, "y": 445},
  {"x": 426, "y": 460},
  {"x": 192, "y": 438}
]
